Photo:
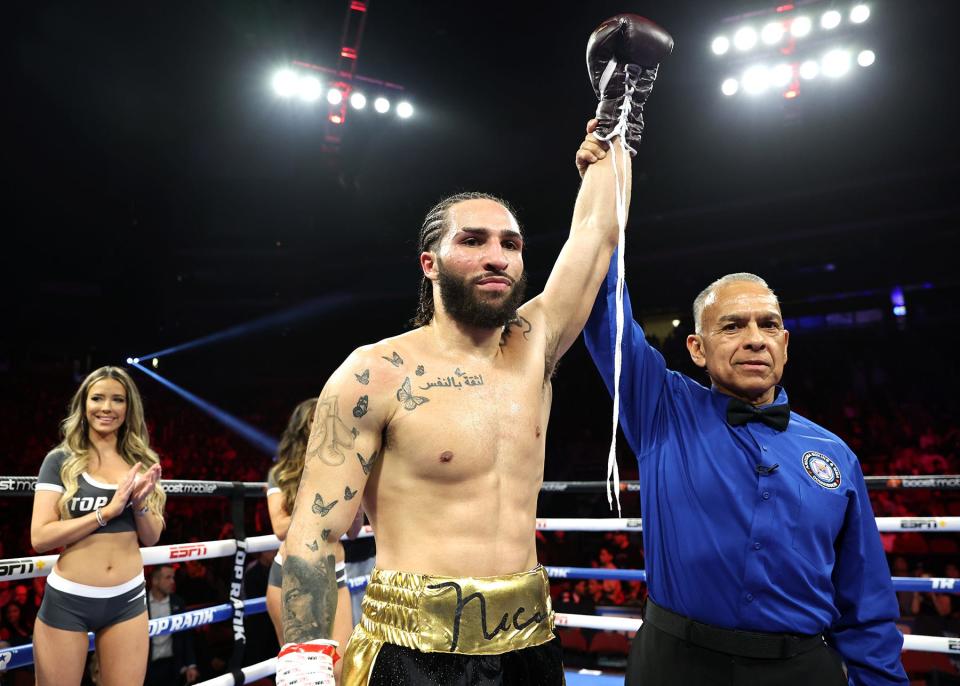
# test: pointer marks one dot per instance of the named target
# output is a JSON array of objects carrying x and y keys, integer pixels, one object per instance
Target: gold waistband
[{"x": 472, "y": 615}]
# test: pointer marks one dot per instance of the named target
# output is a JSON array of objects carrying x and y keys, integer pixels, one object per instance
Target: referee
[{"x": 764, "y": 564}]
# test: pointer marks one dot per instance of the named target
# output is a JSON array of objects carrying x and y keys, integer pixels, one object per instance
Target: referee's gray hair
[{"x": 709, "y": 294}]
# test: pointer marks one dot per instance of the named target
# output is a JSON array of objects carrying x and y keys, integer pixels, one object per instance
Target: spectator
[{"x": 172, "y": 659}]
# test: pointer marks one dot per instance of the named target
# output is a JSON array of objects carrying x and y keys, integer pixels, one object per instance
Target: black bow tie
[{"x": 776, "y": 416}]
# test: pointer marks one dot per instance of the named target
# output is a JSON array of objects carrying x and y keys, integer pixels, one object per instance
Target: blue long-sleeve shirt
[{"x": 795, "y": 551}]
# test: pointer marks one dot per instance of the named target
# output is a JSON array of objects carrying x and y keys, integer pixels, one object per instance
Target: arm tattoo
[
  {"x": 321, "y": 508},
  {"x": 368, "y": 464},
  {"x": 325, "y": 534},
  {"x": 315, "y": 546},
  {"x": 361, "y": 407},
  {"x": 330, "y": 435},
  {"x": 363, "y": 378},
  {"x": 348, "y": 494},
  {"x": 309, "y": 598},
  {"x": 420, "y": 370}
]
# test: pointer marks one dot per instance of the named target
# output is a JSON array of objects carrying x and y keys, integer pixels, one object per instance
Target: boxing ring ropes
[{"x": 15, "y": 569}]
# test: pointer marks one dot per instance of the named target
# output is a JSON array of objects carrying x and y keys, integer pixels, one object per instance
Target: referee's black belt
[{"x": 753, "y": 644}]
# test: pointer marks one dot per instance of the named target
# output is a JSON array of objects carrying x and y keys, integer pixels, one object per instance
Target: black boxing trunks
[{"x": 421, "y": 630}]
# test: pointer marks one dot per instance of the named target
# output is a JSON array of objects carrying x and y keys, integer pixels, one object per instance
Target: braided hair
[{"x": 435, "y": 225}]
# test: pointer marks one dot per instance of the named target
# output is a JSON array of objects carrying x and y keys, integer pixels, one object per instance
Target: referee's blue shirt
[{"x": 790, "y": 552}]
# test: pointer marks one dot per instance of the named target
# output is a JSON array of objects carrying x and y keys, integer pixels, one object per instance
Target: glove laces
[{"x": 630, "y": 84}]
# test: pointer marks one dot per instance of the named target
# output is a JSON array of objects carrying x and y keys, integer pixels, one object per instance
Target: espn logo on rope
[
  {"x": 24, "y": 566},
  {"x": 187, "y": 550},
  {"x": 921, "y": 524}
]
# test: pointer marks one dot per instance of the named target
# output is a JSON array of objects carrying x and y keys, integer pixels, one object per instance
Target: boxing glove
[{"x": 623, "y": 54}]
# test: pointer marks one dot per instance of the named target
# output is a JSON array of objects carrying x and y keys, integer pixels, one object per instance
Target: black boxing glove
[{"x": 623, "y": 54}]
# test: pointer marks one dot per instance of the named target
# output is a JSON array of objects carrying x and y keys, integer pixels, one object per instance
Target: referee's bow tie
[{"x": 776, "y": 416}]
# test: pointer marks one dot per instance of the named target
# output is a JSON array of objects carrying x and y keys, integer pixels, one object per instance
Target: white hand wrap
[{"x": 307, "y": 664}]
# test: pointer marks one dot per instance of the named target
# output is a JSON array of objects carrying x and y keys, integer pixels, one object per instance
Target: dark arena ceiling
[{"x": 158, "y": 191}]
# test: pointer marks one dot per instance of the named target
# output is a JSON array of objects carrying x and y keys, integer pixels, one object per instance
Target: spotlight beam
[
  {"x": 268, "y": 444},
  {"x": 293, "y": 314}
]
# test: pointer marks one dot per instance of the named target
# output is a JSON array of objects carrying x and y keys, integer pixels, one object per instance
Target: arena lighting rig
[
  {"x": 335, "y": 89},
  {"x": 777, "y": 50}
]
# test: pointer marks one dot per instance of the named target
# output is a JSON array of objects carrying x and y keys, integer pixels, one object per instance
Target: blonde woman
[
  {"x": 282, "y": 482},
  {"x": 97, "y": 498}
]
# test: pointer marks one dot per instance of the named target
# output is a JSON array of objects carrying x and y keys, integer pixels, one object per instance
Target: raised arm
[
  {"x": 565, "y": 303},
  {"x": 343, "y": 450},
  {"x": 622, "y": 58}
]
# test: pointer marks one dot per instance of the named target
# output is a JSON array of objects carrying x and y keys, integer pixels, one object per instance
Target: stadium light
[
  {"x": 155, "y": 362},
  {"x": 781, "y": 75},
  {"x": 285, "y": 83},
  {"x": 745, "y": 38},
  {"x": 859, "y": 14},
  {"x": 836, "y": 63},
  {"x": 898, "y": 301},
  {"x": 334, "y": 96},
  {"x": 772, "y": 33},
  {"x": 755, "y": 80},
  {"x": 309, "y": 88},
  {"x": 730, "y": 87},
  {"x": 404, "y": 110},
  {"x": 381, "y": 105},
  {"x": 809, "y": 70},
  {"x": 866, "y": 58},
  {"x": 358, "y": 101},
  {"x": 800, "y": 26},
  {"x": 830, "y": 19},
  {"x": 720, "y": 45}
]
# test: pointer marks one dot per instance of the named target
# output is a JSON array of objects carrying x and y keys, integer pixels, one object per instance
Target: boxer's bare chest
[{"x": 460, "y": 418}]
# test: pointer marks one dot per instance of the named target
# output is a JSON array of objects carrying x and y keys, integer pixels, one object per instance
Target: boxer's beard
[{"x": 462, "y": 302}]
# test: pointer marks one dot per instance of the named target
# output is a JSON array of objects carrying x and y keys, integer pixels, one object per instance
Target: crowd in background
[{"x": 895, "y": 419}]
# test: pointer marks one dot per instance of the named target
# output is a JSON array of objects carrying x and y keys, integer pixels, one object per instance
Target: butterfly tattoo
[
  {"x": 315, "y": 546},
  {"x": 321, "y": 508},
  {"x": 348, "y": 494},
  {"x": 367, "y": 464},
  {"x": 420, "y": 370},
  {"x": 363, "y": 378},
  {"x": 361, "y": 408},
  {"x": 406, "y": 396},
  {"x": 396, "y": 360},
  {"x": 325, "y": 534}
]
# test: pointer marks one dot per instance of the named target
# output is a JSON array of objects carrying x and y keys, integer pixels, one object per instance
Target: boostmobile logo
[{"x": 189, "y": 550}]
